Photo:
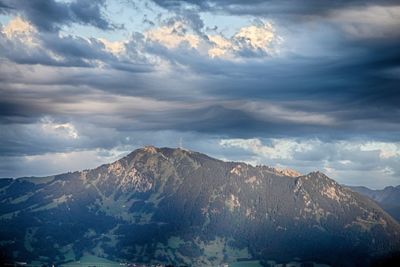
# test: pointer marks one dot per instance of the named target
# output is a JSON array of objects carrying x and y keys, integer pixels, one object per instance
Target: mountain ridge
[
  {"x": 184, "y": 207},
  {"x": 388, "y": 198}
]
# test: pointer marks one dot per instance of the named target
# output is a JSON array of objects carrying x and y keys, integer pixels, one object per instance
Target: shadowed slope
[{"x": 183, "y": 207}]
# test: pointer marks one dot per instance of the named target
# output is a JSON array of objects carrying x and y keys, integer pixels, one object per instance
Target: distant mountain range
[
  {"x": 388, "y": 198},
  {"x": 163, "y": 205}
]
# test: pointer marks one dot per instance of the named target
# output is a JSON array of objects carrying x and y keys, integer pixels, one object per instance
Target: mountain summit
[{"x": 182, "y": 207}]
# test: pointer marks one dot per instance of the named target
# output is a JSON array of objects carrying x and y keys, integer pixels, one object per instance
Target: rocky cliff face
[{"x": 183, "y": 207}]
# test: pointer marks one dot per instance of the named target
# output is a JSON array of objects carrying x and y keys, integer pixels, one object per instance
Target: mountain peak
[
  {"x": 288, "y": 172},
  {"x": 159, "y": 204},
  {"x": 150, "y": 149}
]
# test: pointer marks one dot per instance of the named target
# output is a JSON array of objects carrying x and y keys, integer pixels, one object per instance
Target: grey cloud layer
[
  {"x": 327, "y": 83},
  {"x": 50, "y": 15},
  {"x": 269, "y": 7}
]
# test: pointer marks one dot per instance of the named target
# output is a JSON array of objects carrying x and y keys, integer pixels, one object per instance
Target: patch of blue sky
[
  {"x": 228, "y": 25},
  {"x": 5, "y": 19}
]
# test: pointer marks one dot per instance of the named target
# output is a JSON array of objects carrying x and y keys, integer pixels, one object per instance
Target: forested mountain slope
[{"x": 182, "y": 207}]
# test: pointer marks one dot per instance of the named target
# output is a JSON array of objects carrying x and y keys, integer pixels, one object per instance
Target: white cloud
[
  {"x": 18, "y": 27},
  {"x": 173, "y": 35},
  {"x": 261, "y": 37},
  {"x": 257, "y": 37},
  {"x": 386, "y": 150},
  {"x": 373, "y": 164},
  {"x": 116, "y": 47},
  {"x": 65, "y": 130},
  {"x": 55, "y": 163},
  {"x": 20, "y": 30},
  {"x": 220, "y": 46},
  {"x": 278, "y": 149}
]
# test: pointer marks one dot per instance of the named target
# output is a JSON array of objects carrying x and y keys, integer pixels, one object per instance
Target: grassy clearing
[
  {"x": 38, "y": 180},
  {"x": 245, "y": 264},
  {"x": 21, "y": 199},
  {"x": 91, "y": 260},
  {"x": 175, "y": 242}
]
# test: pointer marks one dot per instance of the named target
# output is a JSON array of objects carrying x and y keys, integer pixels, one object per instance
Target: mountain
[
  {"x": 182, "y": 207},
  {"x": 388, "y": 198}
]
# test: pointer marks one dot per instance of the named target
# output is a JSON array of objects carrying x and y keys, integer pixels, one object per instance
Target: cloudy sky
[{"x": 310, "y": 85}]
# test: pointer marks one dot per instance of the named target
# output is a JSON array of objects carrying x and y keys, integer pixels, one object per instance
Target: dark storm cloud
[
  {"x": 50, "y": 15},
  {"x": 352, "y": 73},
  {"x": 71, "y": 51},
  {"x": 269, "y": 7},
  {"x": 41, "y": 138},
  {"x": 346, "y": 87},
  {"x": 17, "y": 51},
  {"x": 233, "y": 120},
  {"x": 354, "y": 92},
  {"x": 15, "y": 111},
  {"x": 4, "y": 8},
  {"x": 75, "y": 47}
]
